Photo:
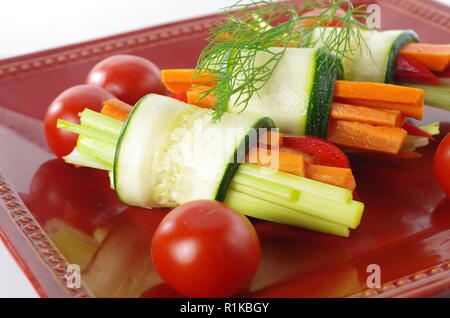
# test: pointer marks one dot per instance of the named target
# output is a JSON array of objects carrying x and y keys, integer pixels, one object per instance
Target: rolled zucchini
[
  {"x": 170, "y": 152},
  {"x": 374, "y": 63},
  {"x": 299, "y": 92}
]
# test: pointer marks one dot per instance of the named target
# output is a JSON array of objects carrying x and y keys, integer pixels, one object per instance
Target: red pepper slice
[
  {"x": 180, "y": 96},
  {"x": 416, "y": 131},
  {"x": 445, "y": 73},
  {"x": 325, "y": 153},
  {"x": 410, "y": 70}
]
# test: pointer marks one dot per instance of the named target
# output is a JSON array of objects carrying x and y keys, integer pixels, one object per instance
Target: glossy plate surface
[{"x": 53, "y": 215}]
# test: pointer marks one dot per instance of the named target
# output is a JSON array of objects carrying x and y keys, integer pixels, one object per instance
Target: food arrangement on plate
[{"x": 259, "y": 127}]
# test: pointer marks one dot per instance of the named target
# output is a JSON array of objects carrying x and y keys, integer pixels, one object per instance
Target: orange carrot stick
[
  {"x": 307, "y": 158},
  {"x": 283, "y": 161},
  {"x": 434, "y": 56},
  {"x": 196, "y": 96},
  {"x": 116, "y": 109},
  {"x": 180, "y": 80},
  {"x": 340, "y": 177},
  {"x": 367, "y": 115},
  {"x": 408, "y": 100},
  {"x": 366, "y": 136}
]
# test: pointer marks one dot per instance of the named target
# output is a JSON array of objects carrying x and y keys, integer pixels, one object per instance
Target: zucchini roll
[
  {"x": 374, "y": 62},
  {"x": 167, "y": 153}
]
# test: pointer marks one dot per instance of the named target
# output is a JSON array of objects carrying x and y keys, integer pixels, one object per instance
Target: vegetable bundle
[
  {"x": 395, "y": 56},
  {"x": 168, "y": 153},
  {"x": 304, "y": 99}
]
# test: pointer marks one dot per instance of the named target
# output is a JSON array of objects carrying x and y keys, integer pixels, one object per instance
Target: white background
[{"x": 29, "y": 26}]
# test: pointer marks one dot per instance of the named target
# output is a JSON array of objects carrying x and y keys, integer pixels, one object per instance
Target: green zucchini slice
[
  {"x": 299, "y": 92},
  {"x": 374, "y": 63},
  {"x": 170, "y": 152}
]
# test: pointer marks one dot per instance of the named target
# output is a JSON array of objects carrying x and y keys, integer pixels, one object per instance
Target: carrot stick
[
  {"x": 196, "y": 96},
  {"x": 409, "y": 101},
  {"x": 307, "y": 158},
  {"x": 434, "y": 56},
  {"x": 367, "y": 115},
  {"x": 366, "y": 136},
  {"x": 340, "y": 177},
  {"x": 180, "y": 80},
  {"x": 292, "y": 162},
  {"x": 283, "y": 161},
  {"x": 116, "y": 109}
]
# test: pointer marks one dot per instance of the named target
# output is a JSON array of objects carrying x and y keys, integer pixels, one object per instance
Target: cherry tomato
[
  {"x": 205, "y": 249},
  {"x": 78, "y": 196},
  {"x": 128, "y": 77},
  {"x": 442, "y": 164},
  {"x": 67, "y": 106}
]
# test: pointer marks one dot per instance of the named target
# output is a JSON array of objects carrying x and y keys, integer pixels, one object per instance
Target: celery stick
[
  {"x": 431, "y": 128},
  {"x": 87, "y": 131},
  {"x": 102, "y": 151},
  {"x": 281, "y": 191},
  {"x": 295, "y": 182},
  {"x": 76, "y": 158},
  {"x": 92, "y": 119},
  {"x": 266, "y": 210},
  {"x": 436, "y": 96},
  {"x": 346, "y": 214}
]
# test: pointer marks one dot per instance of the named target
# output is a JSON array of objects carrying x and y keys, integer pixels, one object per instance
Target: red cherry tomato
[
  {"x": 205, "y": 249},
  {"x": 67, "y": 106},
  {"x": 128, "y": 77},
  {"x": 442, "y": 164}
]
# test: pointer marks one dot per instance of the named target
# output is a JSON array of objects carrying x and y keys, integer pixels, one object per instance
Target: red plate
[{"x": 53, "y": 215}]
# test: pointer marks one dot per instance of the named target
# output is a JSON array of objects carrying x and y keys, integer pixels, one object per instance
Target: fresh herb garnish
[{"x": 250, "y": 28}]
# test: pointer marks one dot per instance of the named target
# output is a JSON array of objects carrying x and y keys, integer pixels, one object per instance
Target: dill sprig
[{"x": 251, "y": 28}]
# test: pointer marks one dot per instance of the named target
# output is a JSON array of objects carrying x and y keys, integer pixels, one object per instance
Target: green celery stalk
[
  {"x": 346, "y": 214},
  {"x": 101, "y": 151},
  {"x": 87, "y": 131},
  {"x": 436, "y": 96},
  {"x": 267, "y": 187},
  {"x": 266, "y": 210},
  {"x": 296, "y": 182},
  {"x": 92, "y": 119},
  {"x": 76, "y": 158}
]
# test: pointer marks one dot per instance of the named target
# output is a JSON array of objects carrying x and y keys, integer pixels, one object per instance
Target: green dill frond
[{"x": 251, "y": 28}]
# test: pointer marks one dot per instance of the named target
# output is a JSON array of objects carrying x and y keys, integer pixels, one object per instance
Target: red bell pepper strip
[
  {"x": 180, "y": 96},
  {"x": 416, "y": 131},
  {"x": 408, "y": 155},
  {"x": 325, "y": 153},
  {"x": 445, "y": 73},
  {"x": 410, "y": 70}
]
